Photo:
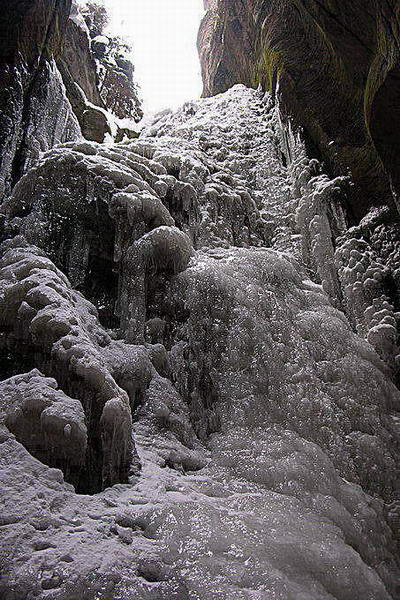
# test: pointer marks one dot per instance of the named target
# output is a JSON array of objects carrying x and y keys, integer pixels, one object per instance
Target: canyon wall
[
  {"x": 334, "y": 69},
  {"x": 199, "y": 379},
  {"x": 35, "y": 114},
  {"x": 49, "y": 85},
  {"x": 336, "y": 66}
]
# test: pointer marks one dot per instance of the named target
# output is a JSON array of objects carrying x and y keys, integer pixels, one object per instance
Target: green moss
[{"x": 267, "y": 68}]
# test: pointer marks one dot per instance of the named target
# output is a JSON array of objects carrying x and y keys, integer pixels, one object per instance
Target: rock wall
[
  {"x": 117, "y": 85},
  {"x": 78, "y": 69},
  {"x": 184, "y": 413},
  {"x": 76, "y": 61},
  {"x": 335, "y": 64},
  {"x": 332, "y": 67},
  {"x": 107, "y": 77},
  {"x": 49, "y": 86},
  {"x": 34, "y": 112}
]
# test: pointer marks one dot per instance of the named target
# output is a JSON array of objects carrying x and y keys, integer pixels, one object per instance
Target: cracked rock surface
[{"x": 197, "y": 399}]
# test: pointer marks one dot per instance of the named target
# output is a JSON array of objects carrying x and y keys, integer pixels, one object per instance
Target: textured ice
[{"x": 180, "y": 291}]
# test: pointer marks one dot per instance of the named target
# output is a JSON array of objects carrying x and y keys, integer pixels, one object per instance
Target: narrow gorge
[{"x": 199, "y": 314}]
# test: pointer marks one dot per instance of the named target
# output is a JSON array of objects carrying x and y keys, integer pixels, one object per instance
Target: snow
[{"x": 262, "y": 460}]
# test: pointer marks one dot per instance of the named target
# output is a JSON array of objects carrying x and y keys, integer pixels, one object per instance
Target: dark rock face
[
  {"x": 76, "y": 61},
  {"x": 112, "y": 56},
  {"x": 336, "y": 66},
  {"x": 50, "y": 88},
  {"x": 79, "y": 71},
  {"x": 118, "y": 88},
  {"x": 99, "y": 79},
  {"x": 35, "y": 114}
]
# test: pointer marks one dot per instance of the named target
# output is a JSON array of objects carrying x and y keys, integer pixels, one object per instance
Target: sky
[{"x": 163, "y": 34}]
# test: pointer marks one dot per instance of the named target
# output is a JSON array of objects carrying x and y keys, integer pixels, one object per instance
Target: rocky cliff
[
  {"x": 332, "y": 66},
  {"x": 98, "y": 74},
  {"x": 198, "y": 376},
  {"x": 49, "y": 86},
  {"x": 35, "y": 114},
  {"x": 336, "y": 66}
]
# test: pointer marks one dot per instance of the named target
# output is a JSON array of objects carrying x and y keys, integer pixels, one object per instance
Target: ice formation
[{"x": 199, "y": 363}]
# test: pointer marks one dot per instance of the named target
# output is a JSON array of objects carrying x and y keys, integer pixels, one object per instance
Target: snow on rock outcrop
[
  {"x": 42, "y": 317},
  {"x": 40, "y": 415},
  {"x": 357, "y": 266},
  {"x": 185, "y": 411}
]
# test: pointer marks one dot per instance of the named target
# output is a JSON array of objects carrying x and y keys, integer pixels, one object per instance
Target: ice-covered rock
[
  {"x": 43, "y": 320},
  {"x": 46, "y": 421},
  {"x": 227, "y": 432}
]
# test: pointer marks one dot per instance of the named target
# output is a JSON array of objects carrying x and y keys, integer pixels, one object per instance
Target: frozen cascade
[{"x": 199, "y": 287}]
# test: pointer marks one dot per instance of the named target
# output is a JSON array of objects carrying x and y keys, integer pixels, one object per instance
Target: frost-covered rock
[
  {"x": 175, "y": 296},
  {"x": 43, "y": 320},
  {"x": 35, "y": 113},
  {"x": 114, "y": 69},
  {"x": 357, "y": 266},
  {"x": 79, "y": 67},
  {"x": 46, "y": 421}
]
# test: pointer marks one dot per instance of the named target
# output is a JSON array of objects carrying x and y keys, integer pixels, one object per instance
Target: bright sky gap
[{"x": 163, "y": 34}]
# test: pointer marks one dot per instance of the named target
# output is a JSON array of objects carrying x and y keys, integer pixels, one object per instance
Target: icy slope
[{"x": 159, "y": 283}]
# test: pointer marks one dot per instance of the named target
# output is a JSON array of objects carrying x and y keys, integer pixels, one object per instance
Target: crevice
[
  {"x": 11, "y": 363},
  {"x": 85, "y": 252},
  {"x": 101, "y": 288}
]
